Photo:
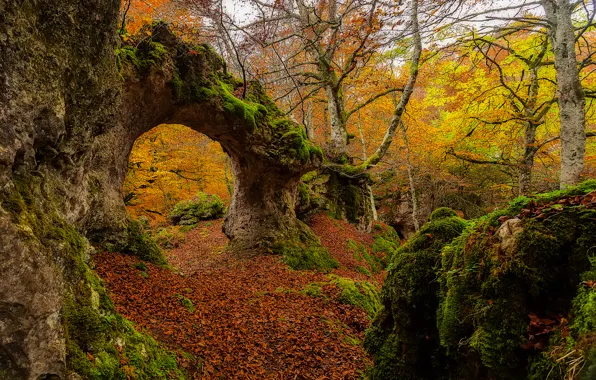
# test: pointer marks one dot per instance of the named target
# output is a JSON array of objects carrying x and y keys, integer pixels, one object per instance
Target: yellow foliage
[{"x": 171, "y": 163}]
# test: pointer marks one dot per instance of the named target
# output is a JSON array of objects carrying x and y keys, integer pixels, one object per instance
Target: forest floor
[{"x": 251, "y": 318}]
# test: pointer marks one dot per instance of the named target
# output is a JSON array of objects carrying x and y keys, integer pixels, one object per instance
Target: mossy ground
[
  {"x": 100, "y": 343},
  {"x": 304, "y": 253},
  {"x": 361, "y": 294},
  {"x": 478, "y": 291}
]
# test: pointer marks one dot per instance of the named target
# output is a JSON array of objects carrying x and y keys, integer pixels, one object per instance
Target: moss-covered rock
[
  {"x": 402, "y": 338},
  {"x": 515, "y": 301},
  {"x": 386, "y": 242},
  {"x": 100, "y": 344},
  {"x": 201, "y": 207},
  {"x": 139, "y": 242}
]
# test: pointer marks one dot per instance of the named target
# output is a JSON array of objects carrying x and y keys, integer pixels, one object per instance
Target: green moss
[
  {"x": 362, "y": 254},
  {"x": 169, "y": 237},
  {"x": 141, "y": 266},
  {"x": 386, "y": 242},
  {"x": 441, "y": 213},
  {"x": 309, "y": 176},
  {"x": 305, "y": 255},
  {"x": 187, "y": 303},
  {"x": 202, "y": 207},
  {"x": 139, "y": 243},
  {"x": 361, "y": 294},
  {"x": 250, "y": 112},
  {"x": 148, "y": 54},
  {"x": 403, "y": 338},
  {"x": 313, "y": 290}
]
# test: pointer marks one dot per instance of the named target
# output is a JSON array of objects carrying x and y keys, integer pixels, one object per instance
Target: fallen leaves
[
  {"x": 539, "y": 329},
  {"x": 250, "y": 319},
  {"x": 542, "y": 210}
]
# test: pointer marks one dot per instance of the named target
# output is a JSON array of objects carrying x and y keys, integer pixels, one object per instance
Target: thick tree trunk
[
  {"x": 571, "y": 96},
  {"x": 338, "y": 143}
]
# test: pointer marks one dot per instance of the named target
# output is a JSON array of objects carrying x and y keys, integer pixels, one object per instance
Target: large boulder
[{"x": 513, "y": 296}]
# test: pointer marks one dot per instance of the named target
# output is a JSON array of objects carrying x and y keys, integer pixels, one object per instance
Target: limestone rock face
[
  {"x": 58, "y": 91},
  {"x": 72, "y": 102}
]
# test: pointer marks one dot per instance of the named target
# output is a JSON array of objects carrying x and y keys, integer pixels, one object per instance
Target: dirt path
[{"x": 248, "y": 318}]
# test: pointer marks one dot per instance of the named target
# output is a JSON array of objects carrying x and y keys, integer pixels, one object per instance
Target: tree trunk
[
  {"x": 413, "y": 195},
  {"x": 531, "y": 125},
  {"x": 571, "y": 96},
  {"x": 308, "y": 122},
  {"x": 373, "y": 206},
  {"x": 338, "y": 143}
]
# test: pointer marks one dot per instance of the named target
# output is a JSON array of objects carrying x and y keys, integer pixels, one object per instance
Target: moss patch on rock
[{"x": 100, "y": 344}]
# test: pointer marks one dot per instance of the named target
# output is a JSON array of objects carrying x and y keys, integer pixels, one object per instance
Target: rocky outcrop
[
  {"x": 510, "y": 296},
  {"x": 343, "y": 196},
  {"x": 73, "y": 99}
]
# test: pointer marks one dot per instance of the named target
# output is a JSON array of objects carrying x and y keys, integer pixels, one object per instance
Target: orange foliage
[{"x": 171, "y": 163}]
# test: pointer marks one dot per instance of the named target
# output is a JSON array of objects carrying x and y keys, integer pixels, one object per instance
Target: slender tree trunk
[
  {"x": 373, "y": 207},
  {"x": 362, "y": 141},
  {"x": 308, "y": 124},
  {"x": 572, "y": 100},
  {"x": 530, "y": 149},
  {"x": 413, "y": 195}
]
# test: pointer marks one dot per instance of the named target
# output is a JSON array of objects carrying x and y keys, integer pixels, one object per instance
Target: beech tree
[
  {"x": 571, "y": 98},
  {"x": 565, "y": 23}
]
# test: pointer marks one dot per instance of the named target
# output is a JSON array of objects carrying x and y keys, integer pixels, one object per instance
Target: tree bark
[
  {"x": 400, "y": 108},
  {"x": 413, "y": 195},
  {"x": 571, "y": 96}
]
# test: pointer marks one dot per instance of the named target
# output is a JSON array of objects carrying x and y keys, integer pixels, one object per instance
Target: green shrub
[{"x": 201, "y": 207}]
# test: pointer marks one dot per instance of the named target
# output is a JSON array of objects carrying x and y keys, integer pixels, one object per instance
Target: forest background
[{"x": 481, "y": 127}]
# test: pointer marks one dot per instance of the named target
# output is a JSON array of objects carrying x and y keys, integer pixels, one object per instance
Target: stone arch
[{"x": 166, "y": 81}]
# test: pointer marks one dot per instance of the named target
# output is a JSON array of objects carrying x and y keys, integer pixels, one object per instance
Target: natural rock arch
[{"x": 165, "y": 81}]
